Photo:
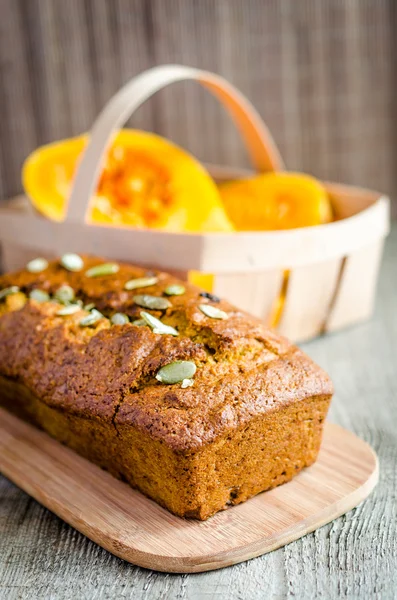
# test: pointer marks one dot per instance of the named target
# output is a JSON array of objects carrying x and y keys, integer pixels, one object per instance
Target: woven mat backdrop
[{"x": 321, "y": 72}]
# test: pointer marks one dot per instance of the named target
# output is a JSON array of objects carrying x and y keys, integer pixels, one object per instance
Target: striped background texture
[{"x": 322, "y": 73}]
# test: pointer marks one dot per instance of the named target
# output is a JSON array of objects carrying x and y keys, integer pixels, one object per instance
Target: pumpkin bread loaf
[{"x": 180, "y": 394}]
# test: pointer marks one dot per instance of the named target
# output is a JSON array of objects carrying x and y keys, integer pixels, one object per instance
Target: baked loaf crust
[{"x": 251, "y": 418}]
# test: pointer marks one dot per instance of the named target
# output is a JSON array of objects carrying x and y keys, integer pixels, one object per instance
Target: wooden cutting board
[{"x": 136, "y": 529}]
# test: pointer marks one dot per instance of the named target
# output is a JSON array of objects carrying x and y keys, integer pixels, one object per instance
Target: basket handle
[{"x": 259, "y": 141}]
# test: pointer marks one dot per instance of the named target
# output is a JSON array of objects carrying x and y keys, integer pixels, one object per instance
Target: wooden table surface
[{"x": 354, "y": 557}]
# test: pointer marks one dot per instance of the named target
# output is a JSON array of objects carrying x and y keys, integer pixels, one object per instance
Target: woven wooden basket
[{"x": 303, "y": 282}]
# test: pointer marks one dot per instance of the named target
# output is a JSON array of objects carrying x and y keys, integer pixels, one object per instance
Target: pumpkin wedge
[
  {"x": 147, "y": 181},
  {"x": 276, "y": 201}
]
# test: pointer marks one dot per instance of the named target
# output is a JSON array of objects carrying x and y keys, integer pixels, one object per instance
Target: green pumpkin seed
[
  {"x": 150, "y": 319},
  {"x": 153, "y": 302},
  {"x": 119, "y": 319},
  {"x": 140, "y": 282},
  {"x": 70, "y": 309},
  {"x": 187, "y": 383},
  {"x": 72, "y": 262},
  {"x": 37, "y": 265},
  {"x": 175, "y": 290},
  {"x": 213, "y": 312},
  {"x": 14, "y": 289},
  {"x": 157, "y": 326},
  {"x": 39, "y": 296},
  {"x": 91, "y": 319},
  {"x": 89, "y": 306},
  {"x": 176, "y": 372},
  {"x": 139, "y": 323},
  {"x": 104, "y": 269},
  {"x": 64, "y": 294}
]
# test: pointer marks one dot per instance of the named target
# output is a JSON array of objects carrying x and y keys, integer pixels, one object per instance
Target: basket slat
[
  {"x": 316, "y": 301},
  {"x": 308, "y": 297},
  {"x": 356, "y": 294},
  {"x": 255, "y": 293}
]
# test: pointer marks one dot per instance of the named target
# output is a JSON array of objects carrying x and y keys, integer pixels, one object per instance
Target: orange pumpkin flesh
[
  {"x": 275, "y": 201},
  {"x": 47, "y": 174},
  {"x": 146, "y": 182},
  {"x": 149, "y": 182}
]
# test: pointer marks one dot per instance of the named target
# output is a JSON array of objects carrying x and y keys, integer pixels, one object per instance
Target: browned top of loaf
[{"x": 107, "y": 372}]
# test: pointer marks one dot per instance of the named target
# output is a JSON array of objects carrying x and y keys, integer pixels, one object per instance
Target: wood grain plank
[{"x": 135, "y": 528}]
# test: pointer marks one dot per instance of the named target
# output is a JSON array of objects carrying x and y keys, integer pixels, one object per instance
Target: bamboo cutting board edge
[{"x": 136, "y": 529}]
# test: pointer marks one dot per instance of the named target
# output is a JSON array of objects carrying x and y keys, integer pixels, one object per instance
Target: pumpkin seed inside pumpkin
[
  {"x": 152, "y": 302},
  {"x": 176, "y": 372},
  {"x": 140, "y": 282},
  {"x": 72, "y": 262},
  {"x": 104, "y": 269},
  {"x": 37, "y": 265}
]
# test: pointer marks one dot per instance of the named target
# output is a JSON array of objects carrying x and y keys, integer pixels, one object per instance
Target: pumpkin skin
[
  {"x": 275, "y": 201},
  {"x": 147, "y": 181}
]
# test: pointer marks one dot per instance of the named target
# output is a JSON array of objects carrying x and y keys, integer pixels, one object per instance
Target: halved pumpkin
[
  {"x": 147, "y": 181},
  {"x": 276, "y": 201}
]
